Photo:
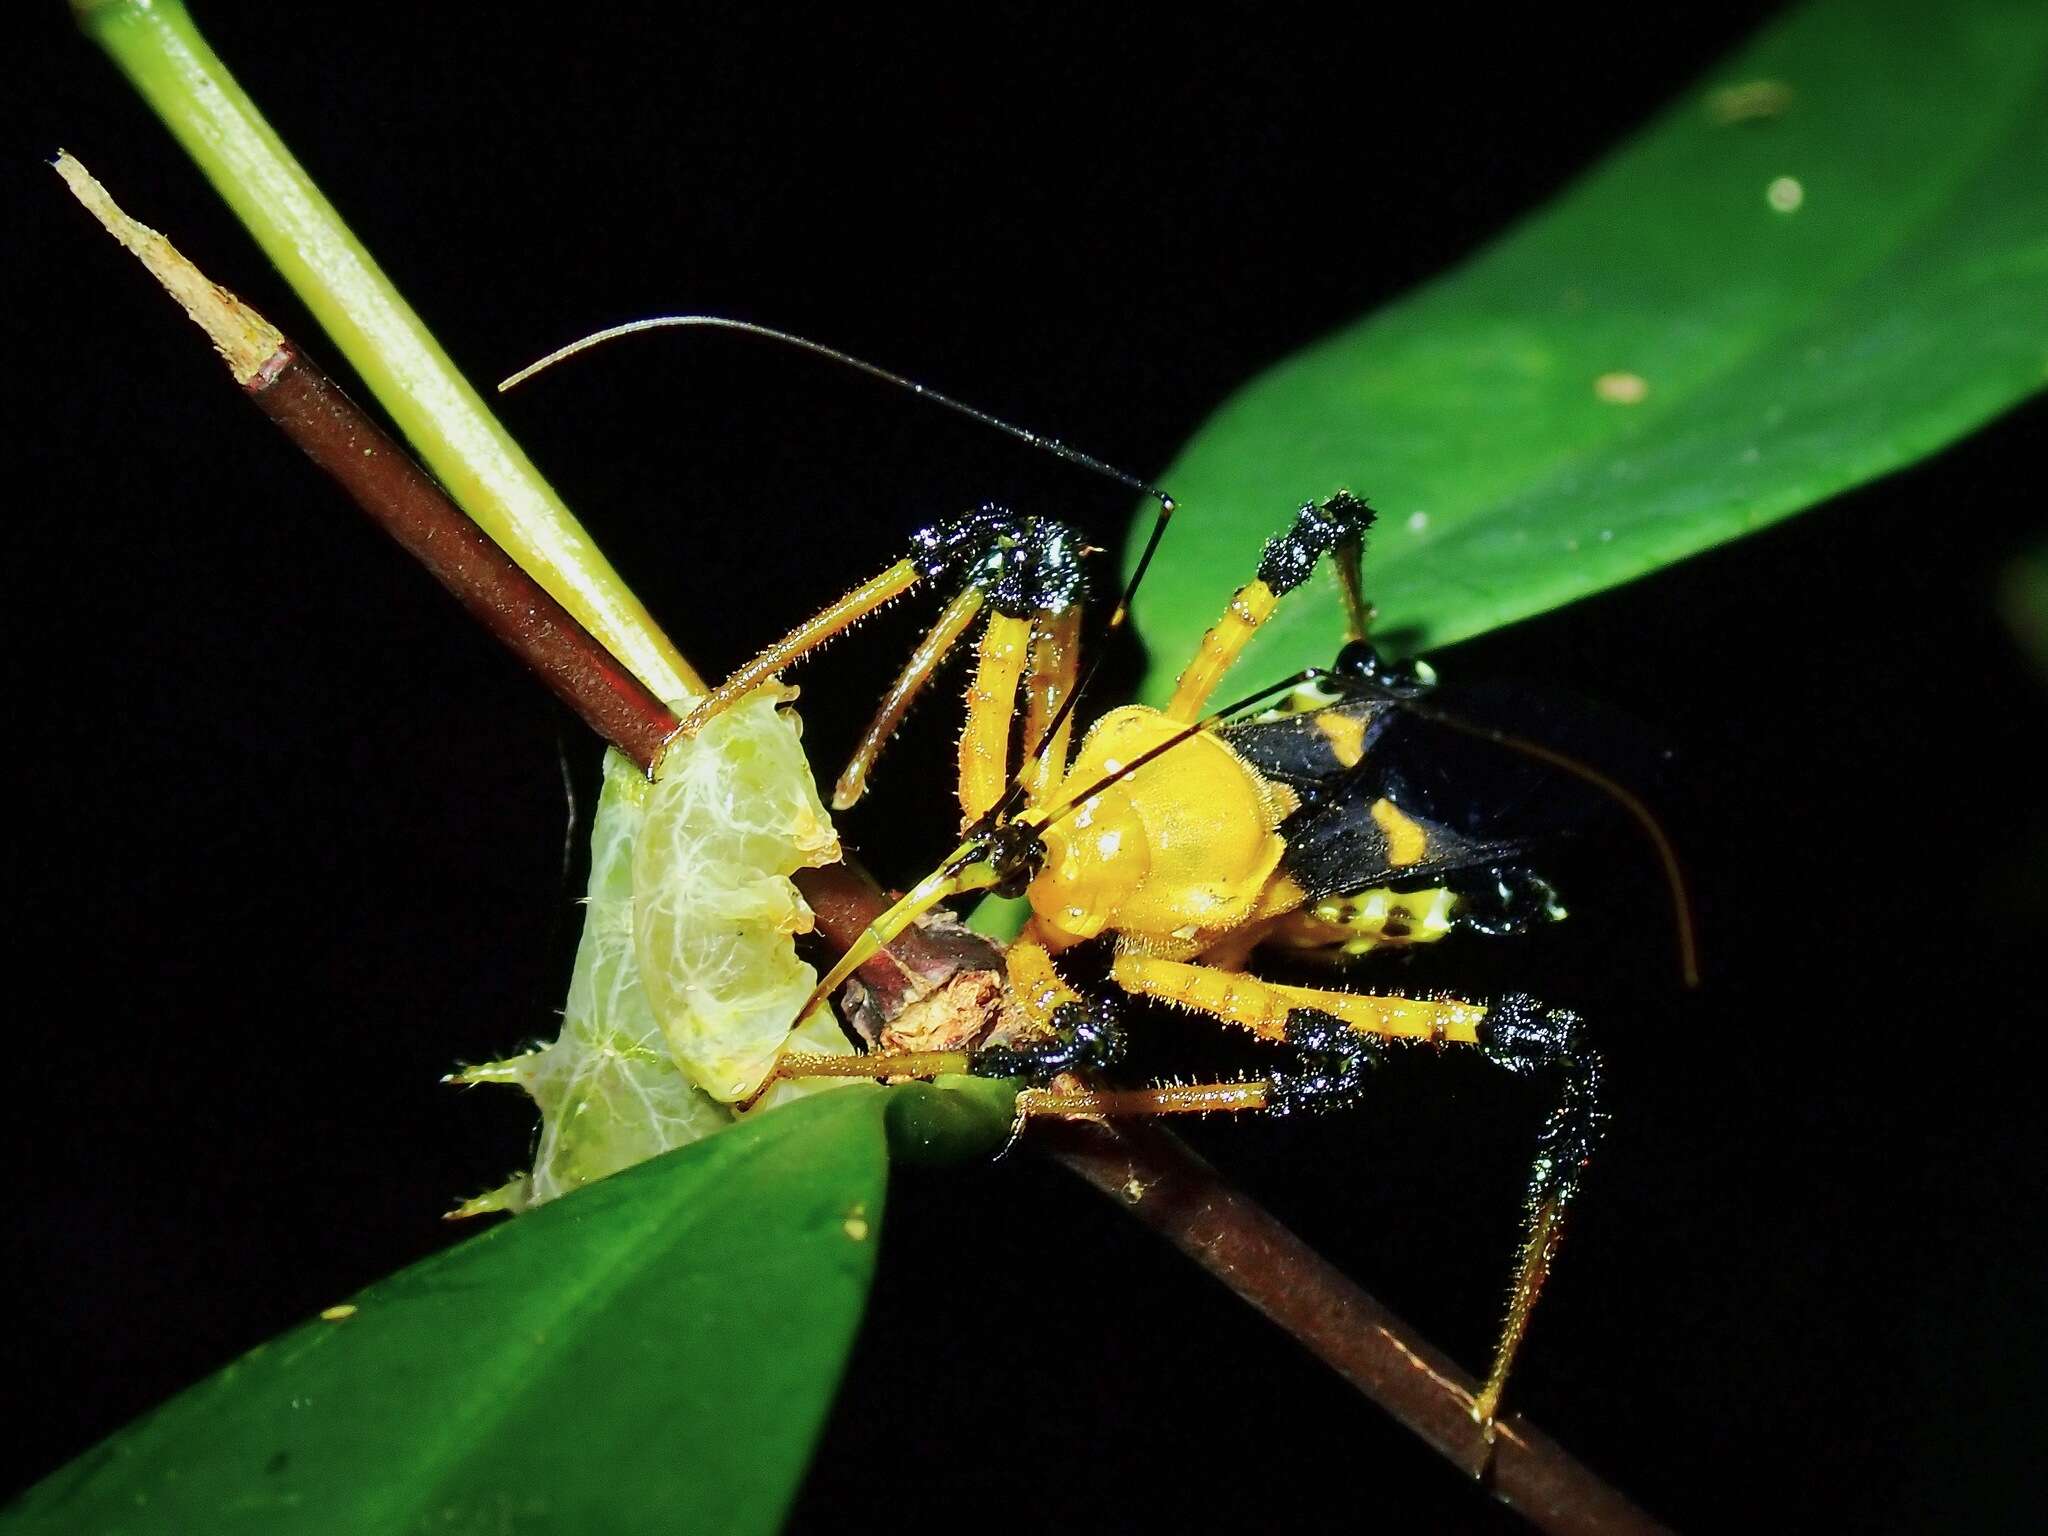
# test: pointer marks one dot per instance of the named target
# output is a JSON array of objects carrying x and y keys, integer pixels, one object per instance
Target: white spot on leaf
[{"x": 1785, "y": 195}]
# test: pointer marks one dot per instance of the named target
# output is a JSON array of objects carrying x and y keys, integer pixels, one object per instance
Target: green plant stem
[{"x": 160, "y": 51}]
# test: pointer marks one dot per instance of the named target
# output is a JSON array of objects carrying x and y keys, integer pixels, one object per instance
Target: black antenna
[{"x": 1051, "y": 445}]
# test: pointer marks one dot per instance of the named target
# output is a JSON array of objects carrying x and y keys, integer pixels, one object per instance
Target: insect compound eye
[{"x": 1359, "y": 662}]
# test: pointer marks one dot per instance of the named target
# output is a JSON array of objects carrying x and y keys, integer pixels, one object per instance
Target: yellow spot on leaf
[
  {"x": 339, "y": 1313},
  {"x": 1751, "y": 101},
  {"x": 1785, "y": 195},
  {"x": 1621, "y": 388}
]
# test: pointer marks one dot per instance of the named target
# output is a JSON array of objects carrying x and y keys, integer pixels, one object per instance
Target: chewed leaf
[
  {"x": 698, "y": 864},
  {"x": 609, "y": 1093},
  {"x": 732, "y": 816}
]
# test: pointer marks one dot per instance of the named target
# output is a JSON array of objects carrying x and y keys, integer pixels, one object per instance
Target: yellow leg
[
  {"x": 1055, "y": 660},
  {"x": 1035, "y": 987},
  {"x": 1347, "y": 555},
  {"x": 1320, "y": 528},
  {"x": 1546, "y": 1226},
  {"x": 964, "y": 871},
  {"x": 1262, "y": 1006},
  {"x": 867, "y": 1064},
  {"x": 1039, "y": 1103},
  {"x": 1516, "y": 1033},
  {"x": 848, "y": 611},
  {"x": 1224, "y": 642},
  {"x": 1122, "y": 1103},
  {"x": 955, "y": 621},
  {"x": 991, "y": 702}
]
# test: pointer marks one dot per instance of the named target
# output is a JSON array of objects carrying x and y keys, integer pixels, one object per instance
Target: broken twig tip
[{"x": 245, "y": 340}]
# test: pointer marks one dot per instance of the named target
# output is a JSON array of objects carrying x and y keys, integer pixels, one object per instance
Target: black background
[{"x": 292, "y": 840}]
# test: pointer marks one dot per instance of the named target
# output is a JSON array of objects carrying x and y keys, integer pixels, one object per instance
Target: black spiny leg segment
[
  {"x": 1020, "y": 565},
  {"x": 1522, "y": 1035},
  {"x": 1082, "y": 1039},
  {"x": 1023, "y": 565},
  {"x": 1027, "y": 569},
  {"x": 1335, "y": 1062},
  {"x": 1319, "y": 527}
]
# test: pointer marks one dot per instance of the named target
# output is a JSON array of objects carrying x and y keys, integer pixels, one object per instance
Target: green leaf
[
  {"x": 654, "y": 1352},
  {"x": 1829, "y": 261},
  {"x": 952, "y": 1119}
]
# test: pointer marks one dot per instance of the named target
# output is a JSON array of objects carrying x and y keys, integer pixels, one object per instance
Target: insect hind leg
[
  {"x": 1335, "y": 1061},
  {"x": 1524, "y": 1037}
]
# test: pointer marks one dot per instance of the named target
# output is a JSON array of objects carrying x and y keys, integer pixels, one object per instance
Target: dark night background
[{"x": 293, "y": 829}]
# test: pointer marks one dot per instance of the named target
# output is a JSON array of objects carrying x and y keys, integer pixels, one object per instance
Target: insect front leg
[
  {"x": 991, "y": 709},
  {"x": 1046, "y": 640},
  {"x": 1025, "y": 571},
  {"x": 1034, "y": 580},
  {"x": 836, "y": 618},
  {"x": 1048, "y": 690},
  {"x": 939, "y": 640}
]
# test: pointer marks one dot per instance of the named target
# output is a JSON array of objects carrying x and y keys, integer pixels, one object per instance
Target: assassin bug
[{"x": 1187, "y": 838}]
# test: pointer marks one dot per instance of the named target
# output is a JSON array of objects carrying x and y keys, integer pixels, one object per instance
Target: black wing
[
  {"x": 1399, "y": 790},
  {"x": 1372, "y": 799}
]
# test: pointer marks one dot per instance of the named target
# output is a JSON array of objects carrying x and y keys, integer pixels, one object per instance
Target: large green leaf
[
  {"x": 654, "y": 1352},
  {"x": 1812, "y": 283}
]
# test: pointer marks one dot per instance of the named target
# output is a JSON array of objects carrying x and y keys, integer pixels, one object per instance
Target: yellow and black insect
[{"x": 1187, "y": 840}]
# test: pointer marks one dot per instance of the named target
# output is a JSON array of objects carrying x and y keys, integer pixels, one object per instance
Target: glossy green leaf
[
  {"x": 652, "y": 1353},
  {"x": 1827, "y": 261},
  {"x": 952, "y": 1119}
]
